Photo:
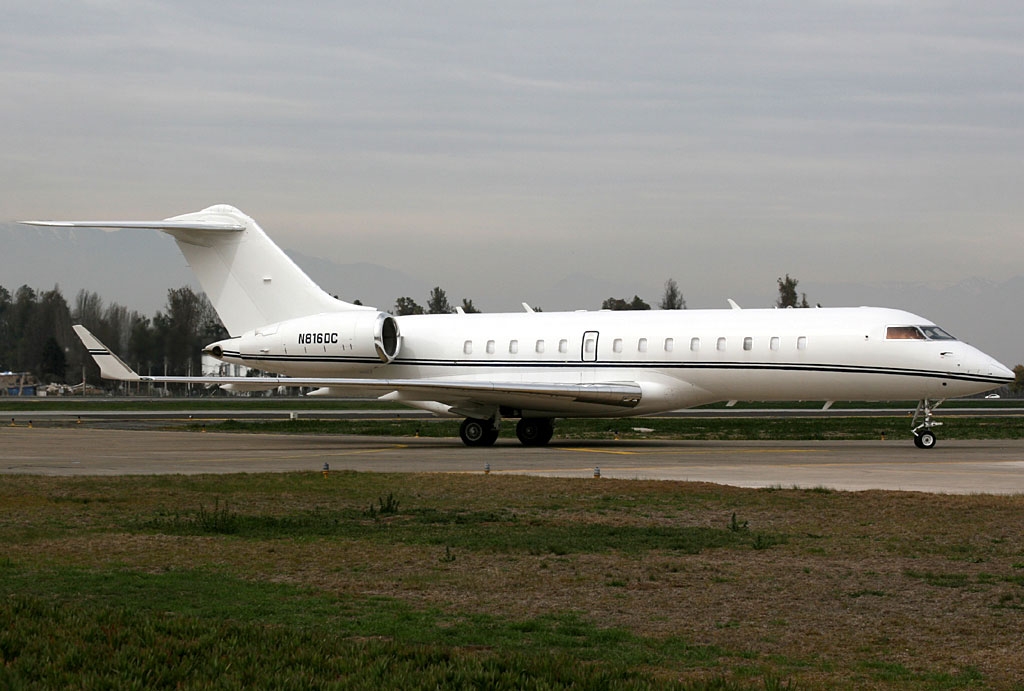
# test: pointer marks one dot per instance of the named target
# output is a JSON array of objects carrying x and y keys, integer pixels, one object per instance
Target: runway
[{"x": 954, "y": 467}]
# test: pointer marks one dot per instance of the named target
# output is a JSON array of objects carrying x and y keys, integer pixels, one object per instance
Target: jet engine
[{"x": 353, "y": 340}]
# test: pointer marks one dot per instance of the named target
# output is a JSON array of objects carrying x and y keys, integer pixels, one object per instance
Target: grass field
[{"x": 367, "y": 580}]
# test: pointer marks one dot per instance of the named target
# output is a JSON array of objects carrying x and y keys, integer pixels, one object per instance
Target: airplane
[{"x": 538, "y": 366}]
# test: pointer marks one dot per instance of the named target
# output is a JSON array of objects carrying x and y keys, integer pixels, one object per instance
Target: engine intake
[{"x": 386, "y": 338}]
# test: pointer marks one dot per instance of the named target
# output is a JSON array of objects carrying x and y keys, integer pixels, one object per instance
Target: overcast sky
[{"x": 720, "y": 143}]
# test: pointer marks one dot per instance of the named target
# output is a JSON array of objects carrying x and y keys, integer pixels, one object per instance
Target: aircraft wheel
[
  {"x": 535, "y": 431},
  {"x": 925, "y": 440},
  {"x": 476, "y": 432}
]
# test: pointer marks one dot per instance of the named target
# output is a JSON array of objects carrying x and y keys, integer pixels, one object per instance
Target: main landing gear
[
  {"x": 924, "y": 437},
  {"x": 532, "y": 431},
  {"x": 476, "y": 432},
  {"x": 535, "y": 431}
]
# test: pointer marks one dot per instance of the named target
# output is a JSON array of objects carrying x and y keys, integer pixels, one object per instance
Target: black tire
[
  {"x": 925, "y": 440},
  {"x": 535, "y": 431},
  {"x": 476, "y": 432}
]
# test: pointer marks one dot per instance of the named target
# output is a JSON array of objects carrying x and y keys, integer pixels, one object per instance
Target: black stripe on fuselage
[{"x": 673, "y": 365}]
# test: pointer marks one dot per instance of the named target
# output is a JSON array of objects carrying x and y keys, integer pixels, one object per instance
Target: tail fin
[{"x": 249, "y": 280}]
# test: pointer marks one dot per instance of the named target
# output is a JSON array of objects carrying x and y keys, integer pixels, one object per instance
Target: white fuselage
[
  {"x": 678, "y": 358},
  {"x": 538, "y": 366}
]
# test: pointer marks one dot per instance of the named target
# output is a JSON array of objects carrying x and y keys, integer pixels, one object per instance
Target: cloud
[{"x": 722, "y": 144}]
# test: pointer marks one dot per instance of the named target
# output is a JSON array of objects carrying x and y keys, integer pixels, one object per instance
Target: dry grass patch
[{"x": 869, "y": 589}]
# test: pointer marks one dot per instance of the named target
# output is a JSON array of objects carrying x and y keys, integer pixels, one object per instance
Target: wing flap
[{"x": 518, "y": 394}]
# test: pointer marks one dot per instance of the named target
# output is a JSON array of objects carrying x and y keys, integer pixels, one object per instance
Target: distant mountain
[
  {"x": 371, "y": 284},
  {"x": 134, "y": 269}
]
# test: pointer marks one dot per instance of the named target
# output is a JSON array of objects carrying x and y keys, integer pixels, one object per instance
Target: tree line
[
  {"x": 437, "y": 302},
  {"x": 36, "y": 334}
]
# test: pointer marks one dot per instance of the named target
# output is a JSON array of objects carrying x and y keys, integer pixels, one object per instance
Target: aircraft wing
[
  {"x": 455, "y": 392},
  {"x": 168, "y": 226}
]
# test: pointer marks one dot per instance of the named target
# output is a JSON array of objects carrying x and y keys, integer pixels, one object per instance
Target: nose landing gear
[{"x": 924, "y": 437}]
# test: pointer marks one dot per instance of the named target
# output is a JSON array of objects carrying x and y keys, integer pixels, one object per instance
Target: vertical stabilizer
[{"x": 249, "y": 280}]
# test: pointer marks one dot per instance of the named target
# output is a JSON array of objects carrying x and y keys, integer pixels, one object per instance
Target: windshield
[
  {"x": 934, "y": 333},
  {"x": 917, "y": 333}
]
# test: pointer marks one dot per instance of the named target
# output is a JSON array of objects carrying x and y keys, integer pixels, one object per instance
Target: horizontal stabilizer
[{"x": 166, "y": 226}]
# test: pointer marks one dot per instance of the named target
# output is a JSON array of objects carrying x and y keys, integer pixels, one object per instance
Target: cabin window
[
  {"x": 467, "y": 347},
  {"x": 721, "y": 343},
  {"x": 540, "y": 346},
  {"x": 748, "y": 343},
  {"x": 670, "y": 344},
  {"x": 641, "y": 345},
  {"x": 563, "y": 346},
  {"x": 774, "y": 343},
  {"x": 695, "y": 344},
  {"x": 801, "y": 343},
  {"x": 490, "y": 347},
  {"x": 589, "y": 346},
  {"x": 617, "y": 345},
  {"x": 513, "y": 346}
]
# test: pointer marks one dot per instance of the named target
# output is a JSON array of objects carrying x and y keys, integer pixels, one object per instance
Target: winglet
[{"x": 111, "y": 366}]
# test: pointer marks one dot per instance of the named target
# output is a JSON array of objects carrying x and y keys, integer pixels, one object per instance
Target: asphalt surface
[{"x": 951, "y": 467}]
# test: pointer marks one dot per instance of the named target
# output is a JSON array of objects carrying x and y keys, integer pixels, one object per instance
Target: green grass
[
  {"x": 375, "y": 580},
  {"x": 497, "y": 531},
  {"x": 75, "y": 628}
]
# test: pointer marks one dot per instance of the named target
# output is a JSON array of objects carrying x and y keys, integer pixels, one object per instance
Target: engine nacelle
[{"x": 318, "y": 344}]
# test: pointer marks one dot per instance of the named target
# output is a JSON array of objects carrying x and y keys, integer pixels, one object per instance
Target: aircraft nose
[
  {"x": 1003, "y": 372},
  {"x": 978, "y": 362},
  {"x": 990, "y": 367}
]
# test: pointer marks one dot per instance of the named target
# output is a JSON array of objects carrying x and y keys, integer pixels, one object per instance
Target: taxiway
[{"x": 952, "y": 467}]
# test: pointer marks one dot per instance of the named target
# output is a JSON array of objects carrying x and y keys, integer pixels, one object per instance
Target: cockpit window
[
  {"x": 917, "y": 333},
  {"x": 934, "y": 333}
]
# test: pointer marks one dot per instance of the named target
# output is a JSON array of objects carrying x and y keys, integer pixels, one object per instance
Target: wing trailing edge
[{"x": 452, "y": 392}]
